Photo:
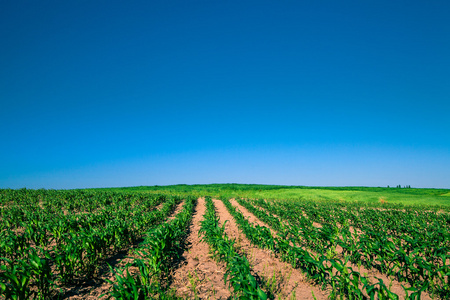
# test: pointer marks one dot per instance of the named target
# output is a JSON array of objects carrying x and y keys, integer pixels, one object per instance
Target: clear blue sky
[{"x": 102, "y": 94}]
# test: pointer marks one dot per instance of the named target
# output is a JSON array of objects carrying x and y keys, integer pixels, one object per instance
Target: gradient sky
[{"x": 327, "y": 93}]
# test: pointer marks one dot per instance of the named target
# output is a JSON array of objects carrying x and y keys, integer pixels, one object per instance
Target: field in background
[{"x": 364, "y": 195}]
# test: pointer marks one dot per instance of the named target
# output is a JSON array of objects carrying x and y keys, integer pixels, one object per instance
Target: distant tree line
[{"x": 400, "y": 187}]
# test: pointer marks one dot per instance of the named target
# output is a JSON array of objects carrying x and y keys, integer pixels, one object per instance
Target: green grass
[
  {"x": 369, "y": 196},
  {"x": 364, "y": 195}
]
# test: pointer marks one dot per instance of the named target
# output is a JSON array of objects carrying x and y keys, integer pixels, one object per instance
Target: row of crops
[
  {"x": 51, "y": 241},
  {"x": 409, "y": 245}
]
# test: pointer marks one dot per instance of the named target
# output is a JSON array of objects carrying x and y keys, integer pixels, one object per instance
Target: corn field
[{"x": 54, "y": 241}]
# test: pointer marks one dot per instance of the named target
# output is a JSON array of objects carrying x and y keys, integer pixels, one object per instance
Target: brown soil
[
  {"x": 159, "y": 206},
  {"x": 284, "y": 281},
  {"x": 200, "y": 277},
  {"x": 251, "y": 217},
  {"x": 177, "y": 210}
]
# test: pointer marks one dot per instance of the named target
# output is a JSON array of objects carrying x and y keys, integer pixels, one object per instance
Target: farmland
[{"x": 225, "y": 241}]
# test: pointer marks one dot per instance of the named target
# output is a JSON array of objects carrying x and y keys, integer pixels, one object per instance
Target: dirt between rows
[
  {"x": 176, "y": 211},
  {"x": 372, "y": 274},
  {"x": 284, "y": 281},
  {"x": 199, "y": 277}
]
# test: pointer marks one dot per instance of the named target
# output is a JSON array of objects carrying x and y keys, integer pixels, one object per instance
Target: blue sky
[{"x": 102, "y": 93}]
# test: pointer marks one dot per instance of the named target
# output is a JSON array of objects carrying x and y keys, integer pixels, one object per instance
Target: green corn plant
[
  {"x": 15, "y": 280},
  {"x": 243, "y": 283},
  {"x": 346, "y": 281},
  {"x": 36, "y": 232},
  {"x": 128, "y": 287},
  {"x": 12, "y": 245},
  {"x": 416, "y": 291},
  {"x": 92, "y": 247},
  {"x": 69, "y": 260},
  {"x": 41, "y": 272},
  {"x": 159, "y": 248},
  {"x": 384, "y": 293}
]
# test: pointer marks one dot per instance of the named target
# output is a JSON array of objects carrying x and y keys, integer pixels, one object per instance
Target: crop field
[{"x": 224, "y": 242}]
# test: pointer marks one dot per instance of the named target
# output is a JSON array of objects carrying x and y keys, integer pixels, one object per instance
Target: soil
[
  {"x": 178, "y": 209},
  {"x": 251, "y": 217},
  {"x": 284, "y": 281},
  {"x": 199, "y": 277}
]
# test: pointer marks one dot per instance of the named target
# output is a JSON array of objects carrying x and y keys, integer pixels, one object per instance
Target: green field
[{"x": 435, "y": 198}]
